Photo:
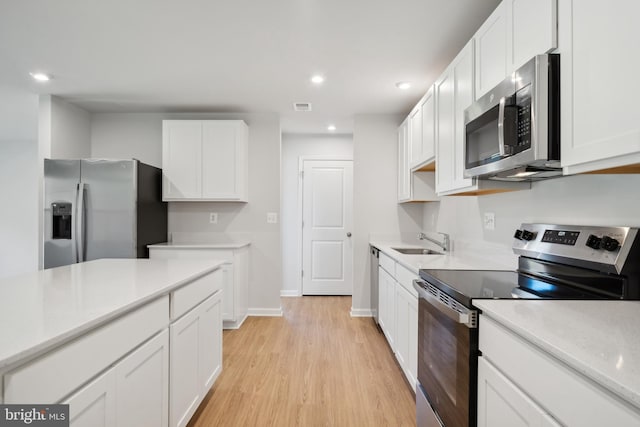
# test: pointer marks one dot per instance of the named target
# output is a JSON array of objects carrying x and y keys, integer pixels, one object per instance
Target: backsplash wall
[{"x": 579, "y": 199}]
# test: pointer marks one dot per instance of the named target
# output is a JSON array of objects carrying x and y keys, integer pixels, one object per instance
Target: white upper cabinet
[
  {"x": 491, "y": 50},
  {"x": 404, "y": 192},
  {"x": 412, "y": 186},
  {"x": 514, "y": 33},
  {"x": 454, "y": 91},
  {"x": 532, "y": 28},
  {"x": 599, "y": 85},
  {"x": 422, "y": 135},
  {"x": 181, "y": 159},
  {"x": 204, "y": 160}
]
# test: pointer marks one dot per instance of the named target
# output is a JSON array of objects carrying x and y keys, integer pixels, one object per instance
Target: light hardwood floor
[{"x": 316, "y": 366}]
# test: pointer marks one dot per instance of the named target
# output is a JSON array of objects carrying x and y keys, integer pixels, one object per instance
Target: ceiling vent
[{"x": 302, "y": 106}]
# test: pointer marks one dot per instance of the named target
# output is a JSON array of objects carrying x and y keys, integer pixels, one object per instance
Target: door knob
[{"x": 348, "y": 234}]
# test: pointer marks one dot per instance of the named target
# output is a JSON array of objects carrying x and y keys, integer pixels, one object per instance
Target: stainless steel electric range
[{"x": 556, "y": 262}]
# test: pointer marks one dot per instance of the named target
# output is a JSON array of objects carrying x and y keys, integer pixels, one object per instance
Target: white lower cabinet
[
  {"x": 95, "y": 404},
  {"x": 502, "y": 404},
  {"x": 196, "y": 357},
  {"x": 134, "y": 392},
  {"x": 386, "y": 306},
  {"x": 398, "y": 315},
  {"x": 407, "y": 333},
  {"x": 142, "y": 385},
  {"x": 235, "y": 273},
  {"x": 520, "y": 384}
]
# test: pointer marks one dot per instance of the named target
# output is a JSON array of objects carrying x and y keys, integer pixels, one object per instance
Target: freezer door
[
  {"x": 61, "y": 179},
  {"x": 109, "y": 226}
]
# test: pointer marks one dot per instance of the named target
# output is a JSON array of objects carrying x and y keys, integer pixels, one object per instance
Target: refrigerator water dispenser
[{"x": 61, "y": 220}]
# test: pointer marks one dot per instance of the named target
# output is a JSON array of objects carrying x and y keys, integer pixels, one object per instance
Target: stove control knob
[
  {"x": 609, "y": 244},
  {"x": 518, "y": 235},
  {"x": 593, "y": 241},
  {"x": 528, "y": 235}
]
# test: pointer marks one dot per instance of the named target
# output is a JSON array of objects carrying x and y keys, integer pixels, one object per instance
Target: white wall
[
  {"x": 293, "y": 147},
  {"x": 140, "y": 136},
  {"x": 136, "y": 137},
  {"x": 18, "y": 181},
  {"x": 70, "y": 131},
  {"x": 579, "y": 199},
  {"x": 376, "y": 210}
]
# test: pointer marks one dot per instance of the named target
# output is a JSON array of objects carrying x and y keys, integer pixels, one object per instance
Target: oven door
[{"x": 447, "y": 356}]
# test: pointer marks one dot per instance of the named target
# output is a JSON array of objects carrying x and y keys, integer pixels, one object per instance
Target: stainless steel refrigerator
[{"x": 98, "y": 208}]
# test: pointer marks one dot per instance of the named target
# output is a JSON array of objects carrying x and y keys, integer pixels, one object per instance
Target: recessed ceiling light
[
  {"x": 331, "y": 128},
  {"x": 403, "y": 85},
  {"x": 317, "y": 79},
  {"x": 41, "y": 77}
]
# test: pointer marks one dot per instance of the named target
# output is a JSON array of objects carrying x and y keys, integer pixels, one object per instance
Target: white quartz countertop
[
  {"x": 221, "y": 245},
  {"x": 43, "y": 309},
  {"x": 467, "y": 257},
  {"x": 599, "y": 339}
]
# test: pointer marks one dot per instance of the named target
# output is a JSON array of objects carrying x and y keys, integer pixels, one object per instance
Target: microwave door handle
[{"x": 503, "y": 102}]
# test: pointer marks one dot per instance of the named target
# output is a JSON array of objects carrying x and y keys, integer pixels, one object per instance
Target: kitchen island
[{"x": 103, "y": 331}]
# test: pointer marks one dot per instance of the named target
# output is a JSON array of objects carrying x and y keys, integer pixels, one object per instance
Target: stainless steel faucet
[{"x": 445, "y": 244}]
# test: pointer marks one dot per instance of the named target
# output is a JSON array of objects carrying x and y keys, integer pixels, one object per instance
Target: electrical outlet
[
  {"x": 272, "y": 218},
  {"x": 489, "y": 221},
  {"x": 213, "y": 217}
]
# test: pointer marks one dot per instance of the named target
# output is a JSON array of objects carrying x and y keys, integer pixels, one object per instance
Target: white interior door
[{"x": 327, "y": 212}]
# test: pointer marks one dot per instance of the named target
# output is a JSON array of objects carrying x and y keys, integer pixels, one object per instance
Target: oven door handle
[{"x": 467, "y": 318}]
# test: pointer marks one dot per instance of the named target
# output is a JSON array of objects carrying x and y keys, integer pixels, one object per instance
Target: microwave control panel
[{"x": 523, "y": 102}]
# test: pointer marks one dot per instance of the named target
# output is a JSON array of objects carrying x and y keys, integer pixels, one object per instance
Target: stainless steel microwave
[{"x": 512, "y": 133}]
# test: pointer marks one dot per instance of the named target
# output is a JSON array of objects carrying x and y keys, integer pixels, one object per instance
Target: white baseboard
[
  {"x": 226, "y": 324},
  {"x": 361, "y": 312},
  {"x": 266, "y": 312},
  {"x": 290, "y": 293}
]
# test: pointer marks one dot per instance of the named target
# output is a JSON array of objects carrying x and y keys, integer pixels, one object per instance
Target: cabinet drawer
[
  {"x": 405, "y": 277},
  {"x": 59, "y": 372},
  {"x": 569, "y": 396},
  {"x": 388, "y": 263},
  {"x": 193, "y": 293}
]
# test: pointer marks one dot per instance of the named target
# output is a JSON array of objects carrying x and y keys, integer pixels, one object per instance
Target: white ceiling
[{"x": 236, "y": 55}]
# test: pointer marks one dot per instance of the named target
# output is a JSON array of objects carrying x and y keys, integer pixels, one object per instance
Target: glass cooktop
[{"x": 467, "y": 285}]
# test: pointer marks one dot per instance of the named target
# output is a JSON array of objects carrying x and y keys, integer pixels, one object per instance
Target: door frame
[{"x": 300, "y": 210}]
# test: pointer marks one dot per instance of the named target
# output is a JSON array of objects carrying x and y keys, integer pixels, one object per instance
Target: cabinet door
[
  {"x": 412, "y": 328},
  {"x": 532, "y": 30},
  {"x": 142, "y": 385},
  {"x": 428, "y": 111},
  {"x": 404, "y": 191},
  {"x": 384, "y": 280},
  {"x": 224, "y": 160},
  {"x": 415, "y": 136},
  {"x": 186, "y": 387},
  {"x": 181, "y": 159},
  {"x": 94, "y": 405},
  {"x": 502, "y": 404},
  {"x": 455, "y": 94},
  {"x": 402, "y": 301},
  {"x": 599, "y": 84},
  {"x": 228, "y": 306},
  {"x": 210, "y": 357},
  {"x": 491, "y": 51}
]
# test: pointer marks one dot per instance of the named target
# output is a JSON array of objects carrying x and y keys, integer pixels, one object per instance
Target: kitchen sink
[{"x": 416, "y": 251}]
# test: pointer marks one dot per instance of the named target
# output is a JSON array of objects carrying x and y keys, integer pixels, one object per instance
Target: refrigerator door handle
[{"x": 80, "y": 229}]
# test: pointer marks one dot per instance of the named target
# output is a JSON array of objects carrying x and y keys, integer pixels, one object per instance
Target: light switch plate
[
  {"x": 213, "y": 217},
  {"x": 272, "y": 218},
  {"x": 489, "y": 221}
]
